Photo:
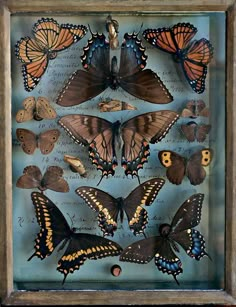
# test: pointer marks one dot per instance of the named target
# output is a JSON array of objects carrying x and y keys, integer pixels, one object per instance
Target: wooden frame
[{"x": 7, "y": 294}]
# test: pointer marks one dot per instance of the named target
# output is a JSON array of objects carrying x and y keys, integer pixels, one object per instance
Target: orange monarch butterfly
[
  {"x": 193, "y": 56},
  {"x": 49, "y": 38}
]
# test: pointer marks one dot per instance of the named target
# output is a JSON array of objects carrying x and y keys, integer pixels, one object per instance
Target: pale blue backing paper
[{"x": 202, "y": 274}]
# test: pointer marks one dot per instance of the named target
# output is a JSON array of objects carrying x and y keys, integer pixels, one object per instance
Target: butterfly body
[
  {"x": 110, "y": 208},
  {"x": 100, "y": 74},
  {"x": 193, "y": 167},
  {"x": 102, "y": 136},
  {"x": 49, "y": 39},
  {"x": 193, "y": 56},
  {"x": 55, "y": 231},
  {"x": 179, "y": 233}
]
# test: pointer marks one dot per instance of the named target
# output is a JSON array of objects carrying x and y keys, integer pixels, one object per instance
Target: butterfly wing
[
  {"x": 53, "y": 180},
  {"x": 53, "y": 226},
  {"x": 143, "y": 195},
  {"x": 194, "y": 64},
  {"x": 138, "y": 132},
  {"x": 202, "y": 110},
  {"x": 98, "y": 134},
  {"x": 84, "y": 246},
  {"x": 190, "y": 130},
  {"x": 143, "y": 84},
  {"x": 28, "y": 140},
  {"x": 202, "y": 131},
  {"x": 195, "y": 166},
  {"x": 175, "y": 165},
  {"x": 187, "y": 217},
  {"x": 190, "y": 110},
  {"x": 105, "y": 204},
  {"x": 27, "y": 113},
  {"x": 47, "y": 140},
  {"x": 44, "y": 109},
  {"x": 76, "y": 165},
  {"x": 172, "y": 39},
  {"x": 84, "y": 85},
  {"x": 30, "y": 179}
]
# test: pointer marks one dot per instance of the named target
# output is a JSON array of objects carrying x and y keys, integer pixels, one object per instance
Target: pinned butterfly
[
  {"x": 76, "y": 165},
  {"x": 195, "y": 108},
  {"x": 55, "y": 231},
  {"x": 110, "y": 208},
  {"x": 45, "y": 141},
  {"x": 52, "y": 179},
  {"x": 195, "y": 132},
  {"x": 193, "y": 167},
  {"x": 100, "y": 74},
  {"x": 102, "y": 136},
  {"x": 49, "y": 39},
  {"x": 163, "y": 248},
  {"x": 35, "y": 109},
  {"x": 193, "y": 56}
]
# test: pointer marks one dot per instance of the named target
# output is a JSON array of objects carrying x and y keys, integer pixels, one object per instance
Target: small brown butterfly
[
  {"x": 45, "y": 141},
  {"x": 52, "y": 179},
  {"x": 195, "y": 108},
  {"x": 112, "y": 27},
  {"x": 115, "y": 105},
  {"x": 76, "y": 165},
  {"x": 194, "y": 132},
  {"x": 35, "y": 109},
  {"x": 192, "y": 167}
]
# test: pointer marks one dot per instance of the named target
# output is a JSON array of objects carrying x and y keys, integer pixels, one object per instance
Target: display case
[{"x": 117, "y": 152}]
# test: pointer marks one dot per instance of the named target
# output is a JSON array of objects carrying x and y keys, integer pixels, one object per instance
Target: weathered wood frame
[{"x": 7, "y": 294}]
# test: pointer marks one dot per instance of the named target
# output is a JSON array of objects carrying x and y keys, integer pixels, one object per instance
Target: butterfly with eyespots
[
  {"x": 193, "y": 167},
  {"x": 35, "y": 109},
  {"x": 52, "y": 179},
  {"x": 163, "y": 248},
  {"x": 45, "y": 141}
]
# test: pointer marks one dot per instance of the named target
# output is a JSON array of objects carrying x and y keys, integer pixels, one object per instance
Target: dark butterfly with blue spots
[
  {"x": 110, "y": 208},
  {"x": 55, "y": 231},
  {"x": 100, "y": 74},
  {"x": 179, "y": 233}
]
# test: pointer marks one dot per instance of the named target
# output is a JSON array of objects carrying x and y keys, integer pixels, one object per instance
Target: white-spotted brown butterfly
[
  {"x": 193, "y": 167},
  {"x": 52, "y": 179},
  {"x": 101, "y": 137},
  {"x": 110, "y": 209},
  {"x": 35, "y": 109},
  {"x": 163, "y": 247},
  {"x": 55, "y": 231},
  {"x": 100, "y": 74},
  {"x": 45, "y": 141},
  {"x": 76, "y": 165},
  {"x": 112, "y": 27},
  {"x": 49, "y": 39},
  {"x": 195, "y": 108},
  {"x": 193, "y": 56},
  {"x": 195, "y": 132}
]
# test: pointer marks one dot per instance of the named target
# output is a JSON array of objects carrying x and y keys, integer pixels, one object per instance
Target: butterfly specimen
[
  {"x": 76, "y": 165},
  {"x": 112, "y": 27},
  {"x": 102, "y": 136},
  {"x": 35, "y": 109},
  {"x": 192, "y": 167},
  {"x": 54, "y": 230},
  {"x": 193, "y": 131},
  {"x": 99, "y": 74},
  {"x": 49, "y": 39},
  {"x": 192, "y": 55},
  {"x": 52, "y": 179},
  {"x": 110, "y": 208},
  {"x": 45, "y": 141},
  {"x": 114, "y": 105},
  {"x": 179, "y": 233},
  {"x": 195, "y": 108}
]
